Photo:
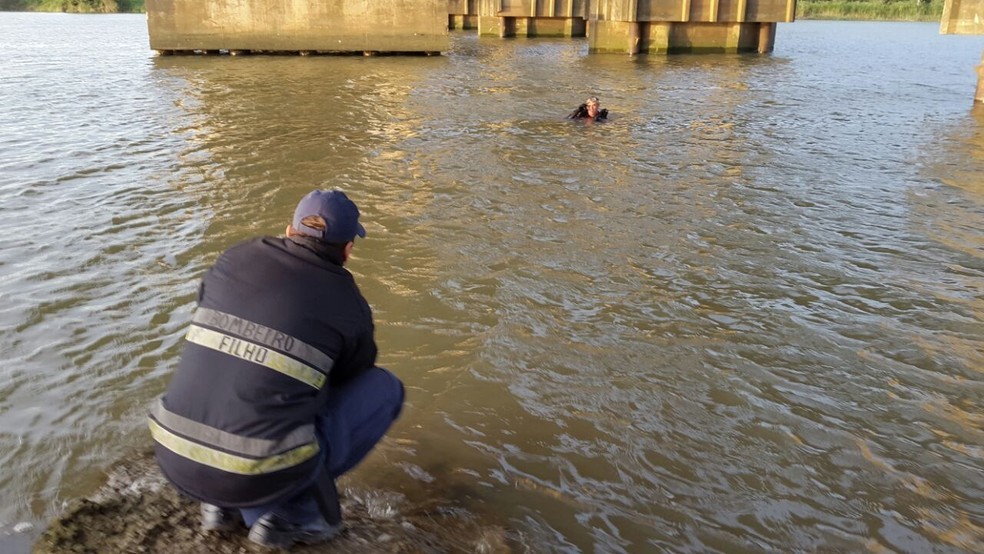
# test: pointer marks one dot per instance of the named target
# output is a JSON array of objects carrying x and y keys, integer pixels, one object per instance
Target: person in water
[{"x": 590, "y": 109}]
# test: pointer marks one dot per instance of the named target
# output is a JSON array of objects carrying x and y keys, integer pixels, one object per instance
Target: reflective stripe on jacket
[{"x": 279, "y": 321}]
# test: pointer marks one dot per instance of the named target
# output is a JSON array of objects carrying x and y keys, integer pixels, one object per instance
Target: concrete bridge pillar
[
  {"x": 966, "y": 17},
  {"x": 462, "y": 14},
  {"x": 532, "y": 18},
  {"x": 667, "y": 26},
  {"x": 979, "y": 97},
  {"x": 298, "y": 26},
  {"x": 641, "y": 26}
]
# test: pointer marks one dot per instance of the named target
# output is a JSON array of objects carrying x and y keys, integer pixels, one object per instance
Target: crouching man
[{"x": 277, "y": 392}]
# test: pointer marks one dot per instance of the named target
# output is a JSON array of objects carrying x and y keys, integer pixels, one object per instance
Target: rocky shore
[{"x": 136, "y": 511}]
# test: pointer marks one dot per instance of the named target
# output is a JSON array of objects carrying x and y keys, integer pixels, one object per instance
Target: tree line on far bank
[
  {"x": 73, "y": 6},
  {"x": 890, "y": 10},
  {"x": 875, "y": 10}
]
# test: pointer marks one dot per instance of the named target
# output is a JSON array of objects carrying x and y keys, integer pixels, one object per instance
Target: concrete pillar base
[
  {"x": 489, "y": 26},
  {"x": 531, "y": 26},
  {"x": 979, "y": 97},
  {"x": 767, "y": 37},
  {"x": 627, "y": 37},
  {"x": 461, "y": 22}
]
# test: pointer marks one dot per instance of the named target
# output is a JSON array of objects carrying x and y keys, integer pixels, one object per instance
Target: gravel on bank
[{"x": 136, "y": 511}]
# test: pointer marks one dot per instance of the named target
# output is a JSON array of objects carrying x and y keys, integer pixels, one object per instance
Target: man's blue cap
[{"x": 340, "y": 214}]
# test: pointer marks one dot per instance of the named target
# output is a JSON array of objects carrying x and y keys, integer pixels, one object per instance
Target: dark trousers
[{"x": 355, "y": 418}]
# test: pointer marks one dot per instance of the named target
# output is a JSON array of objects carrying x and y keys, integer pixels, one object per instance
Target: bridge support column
[
  {"x": 979, "y": 97},
  {"x": 658, "y": 37},
  {"x": 531, "y": 18},
  {"x": 641, "y": 26},
  {"x": 491, "y": 26},
  {"x": 530, "y": 27},
  {"x": 634, "y": 37},
  {"x": 615, "y": 36},
  {"x": 462, "y": 14},
  {"x": 462, "y": 21},
  {"x": 963, "y": 17},
  {"x": 767, "y": 37},
  {"x": 262, "y": 26}
]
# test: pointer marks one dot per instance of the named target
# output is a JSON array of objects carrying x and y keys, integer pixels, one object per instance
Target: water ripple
[{"x": 744, "y": 314}]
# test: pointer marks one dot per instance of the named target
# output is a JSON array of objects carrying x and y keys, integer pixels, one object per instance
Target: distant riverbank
[
  {"x": 73, "y": 6},
  {"x": 873, "y": 10},
  {"x": 870, "y": 10}
]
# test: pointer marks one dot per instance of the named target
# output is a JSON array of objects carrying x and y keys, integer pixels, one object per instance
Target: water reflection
[
  {"x": 274, "y": 127},
  {"x": 949, "y": 215}
]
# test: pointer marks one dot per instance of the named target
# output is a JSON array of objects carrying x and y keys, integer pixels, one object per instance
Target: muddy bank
[{"x": 137, "y": 511}]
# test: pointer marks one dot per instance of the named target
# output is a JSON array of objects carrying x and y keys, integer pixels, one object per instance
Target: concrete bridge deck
[{"x": 421, "y": 26}]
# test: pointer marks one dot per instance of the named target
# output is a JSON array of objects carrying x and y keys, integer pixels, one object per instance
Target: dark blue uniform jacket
[{"x": 279, "y": 322}]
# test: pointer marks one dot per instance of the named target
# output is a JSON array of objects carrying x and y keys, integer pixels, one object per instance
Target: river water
[{"x": 744, "y": 315}]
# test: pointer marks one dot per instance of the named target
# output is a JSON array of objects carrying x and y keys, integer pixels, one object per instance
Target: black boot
[
  {"x": 275, "y": 532},
  {"x": 215, "y": 518}
]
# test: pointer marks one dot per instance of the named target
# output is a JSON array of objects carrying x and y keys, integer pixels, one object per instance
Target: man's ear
[
  {"x": 289, "y": 230},
  {"x": 347, "y": 251}
]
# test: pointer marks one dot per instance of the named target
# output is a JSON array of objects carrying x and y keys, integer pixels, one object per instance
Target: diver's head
[{"x": 593, "y": 105}]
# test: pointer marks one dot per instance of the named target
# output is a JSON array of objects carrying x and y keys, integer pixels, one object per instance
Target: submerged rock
[{"x": 137, "y": 511}]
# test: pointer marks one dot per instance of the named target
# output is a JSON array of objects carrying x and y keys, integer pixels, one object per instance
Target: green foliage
[
  {"x": 73, "y": 6},
  {"x": 881, "y": 10}
]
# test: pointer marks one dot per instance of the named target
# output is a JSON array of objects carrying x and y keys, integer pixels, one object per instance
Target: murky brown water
[{"x": 744, "y": 315}]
